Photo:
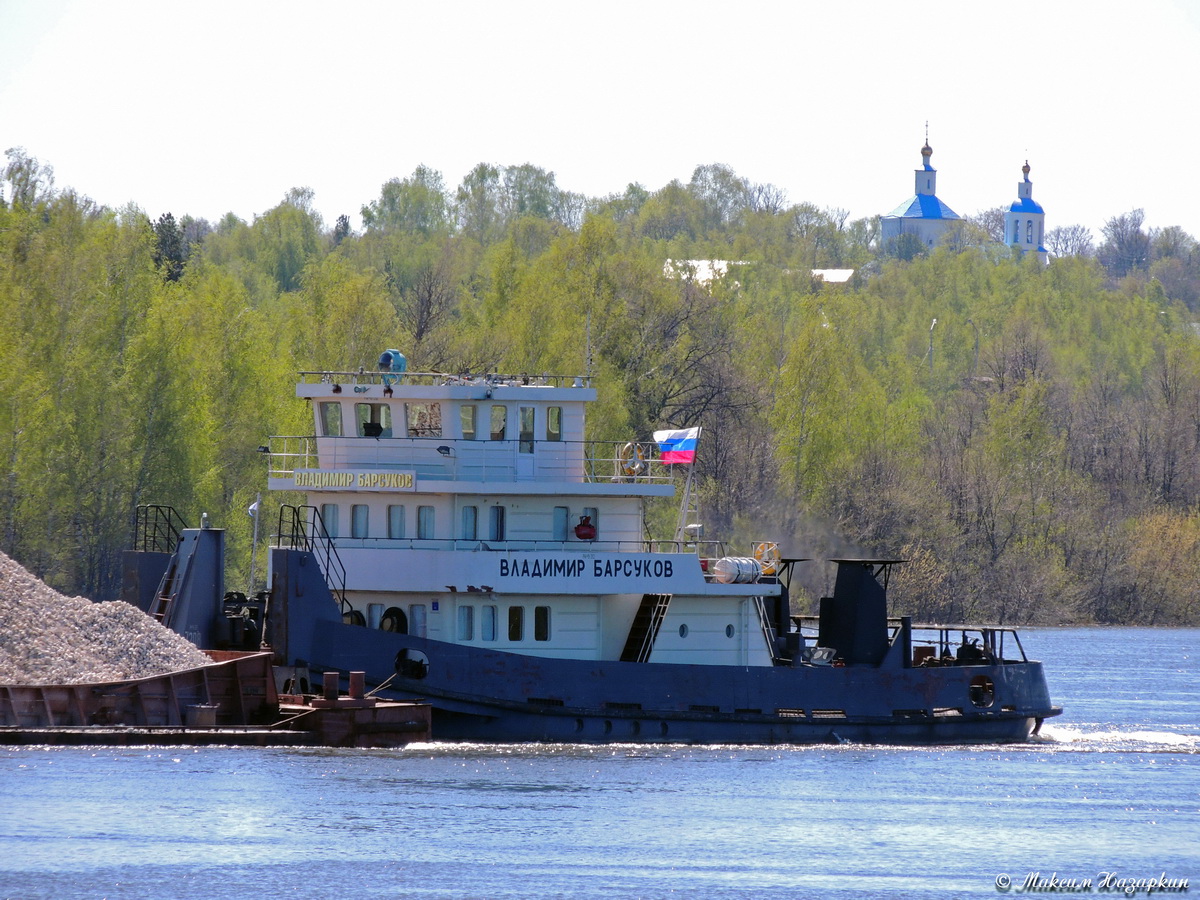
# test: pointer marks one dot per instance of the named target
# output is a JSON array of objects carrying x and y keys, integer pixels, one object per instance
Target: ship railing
[
  {"x": 945, "y": 644},
  {"x": 520, "y": 546},
  {"x": 157, "y": 529},
  {"x": 454, "y": 459},
  {"x": 302, "y": 528},
  {"x": 427, "y": 379}
]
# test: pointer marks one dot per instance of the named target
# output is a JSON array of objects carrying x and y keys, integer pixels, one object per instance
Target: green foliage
[{"x": 1028, "y": 435}]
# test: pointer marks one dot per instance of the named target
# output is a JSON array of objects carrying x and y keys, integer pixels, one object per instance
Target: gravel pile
[{"x": 46, "y": 638}]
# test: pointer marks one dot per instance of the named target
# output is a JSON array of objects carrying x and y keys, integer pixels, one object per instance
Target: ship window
[
  {"x": 541, "y": 623},
  {"x": 495, "y": 523},
  {"x": 487, "y": 623},
  {"x": 466, "y": 415},
  {"x": 373, "y": 419},
  {"x": 425, "y": 523},
  {"x": 470, "y": 523},
  {"x": 516, "y": 623},
  {"x": 554, "y": 423},
  {"x": 358, "y": 520},
  {"x": 526, "y": 421},
  {"x": 499, "y": 421},
  {"x": 416, "y": 620},
  {"x": 395, "y": 522},
  {"x": 561, "y": 514},
  {"x": 729, "y": 631},
  {"x": 466, "y": 623},
  {"x": 683, "y": 630},
  {"x": 424, "y": 419},
  {"x": 331, "y": 419},
  {"x": 329, "y": 517}
]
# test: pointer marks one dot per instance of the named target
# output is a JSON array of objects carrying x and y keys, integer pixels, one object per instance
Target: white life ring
[
  {"x": 767, "y": 554},
  {"x": 631, "y": 460}
]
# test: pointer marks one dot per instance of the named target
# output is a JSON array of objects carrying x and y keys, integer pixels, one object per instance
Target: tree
[
  {"x": 417, "y": 205},
  {"x": 1070, "y": 240},
  {"x": 168, "y": 247},
  {"x": 991, "y": 223},
  {"x": 341, "y": 230},
  {"x": 1126, "y": 246},
  {"x": 477, "y": 204},
  {"x": 29, "y": 182}
]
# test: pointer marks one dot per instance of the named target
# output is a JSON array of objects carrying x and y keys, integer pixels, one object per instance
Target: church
[
  {"x": 928, "y": 219},
  {"x": 922, "y": 215}
]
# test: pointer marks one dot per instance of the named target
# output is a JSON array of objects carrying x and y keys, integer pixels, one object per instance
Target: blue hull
[{"x": 486, "y": 695}]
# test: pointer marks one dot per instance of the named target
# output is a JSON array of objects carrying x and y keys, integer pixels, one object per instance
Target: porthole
[
  {"x": 982, "y": 691},
  {"x": 683, "y": 631},
  {"x": 728, "y": 631},
  {"x": 608, "y": 726}
]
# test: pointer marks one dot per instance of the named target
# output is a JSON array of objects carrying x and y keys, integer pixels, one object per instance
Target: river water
[{"x": 1110, "y": 790}]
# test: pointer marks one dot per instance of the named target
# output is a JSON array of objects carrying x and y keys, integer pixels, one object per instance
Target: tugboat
[{"x": 465, "y": 545}]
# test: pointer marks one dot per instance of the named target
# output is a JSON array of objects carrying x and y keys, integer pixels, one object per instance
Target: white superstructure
[{"x": 472, "y": 510}]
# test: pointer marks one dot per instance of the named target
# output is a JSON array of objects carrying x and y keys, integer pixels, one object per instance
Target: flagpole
[
  {"x": 254, "y": 542},
  {"x": 685, "y": 506}
]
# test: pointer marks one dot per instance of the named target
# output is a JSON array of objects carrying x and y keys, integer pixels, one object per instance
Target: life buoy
[
  {"x": 767, "y": 554},
  {"x": 631, "y": 460}
]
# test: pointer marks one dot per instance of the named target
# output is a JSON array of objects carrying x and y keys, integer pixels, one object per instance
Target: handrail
[
  {"x": 156, "y": 528},
  {"x": 455, "y": 459},
  {"x": 364, "y": 376}
]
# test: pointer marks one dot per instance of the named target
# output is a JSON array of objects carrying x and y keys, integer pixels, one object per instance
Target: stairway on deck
[{"x": 644, "y": 630}]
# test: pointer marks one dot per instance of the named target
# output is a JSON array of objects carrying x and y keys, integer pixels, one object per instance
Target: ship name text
[
  {"x": 576, "y": 568},
  {"x": 350, "y": 480}
]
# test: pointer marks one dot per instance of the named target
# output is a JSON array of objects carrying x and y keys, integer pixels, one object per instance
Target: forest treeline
[{"x": 1027, "y": 436}]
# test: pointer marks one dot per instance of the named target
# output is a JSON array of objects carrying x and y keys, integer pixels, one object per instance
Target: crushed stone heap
[{"x": 48, "y": 638}]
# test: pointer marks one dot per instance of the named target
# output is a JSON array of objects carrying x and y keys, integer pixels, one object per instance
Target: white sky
[{"x": 209, "y": 107}]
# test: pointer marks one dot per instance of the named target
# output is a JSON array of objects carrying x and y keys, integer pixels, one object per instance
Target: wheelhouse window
[
  {"x": 425, "y": 523},
  {"x": 373, "y": 420},
  {"x": 331, "y": 419},
  {"x": 487, "y": 623},
  {"x": 395, "y": 522},
  {"x": 359, "y": 515},
  {"x": 516, "y": 623},
  {"x": 466, "y": 418},
  {"x": 554, "y": 423},
  {"x": 424, "y": 419},
  {"x": 526, "y": 427},
  {"x": 541, "y": 623},
  {"x": 329, "y": 518},
  {"x": 466, "y": 623},
  {"x": 499, "y": 422},
  {"x": 470, "y": 523}
]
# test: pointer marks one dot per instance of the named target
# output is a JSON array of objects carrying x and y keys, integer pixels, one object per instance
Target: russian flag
[{"x": 678, "y": 446}]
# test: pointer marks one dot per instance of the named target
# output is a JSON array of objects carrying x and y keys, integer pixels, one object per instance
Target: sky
[{"x": 215, "y": 107}]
